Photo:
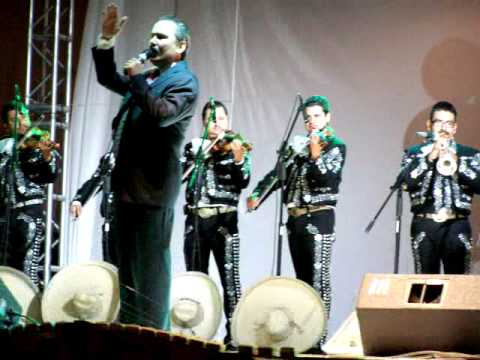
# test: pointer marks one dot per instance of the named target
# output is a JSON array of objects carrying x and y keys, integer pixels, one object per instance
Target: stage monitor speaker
[
  {"x": 405, "y": 313},
  {"x": 346, "y": 340}
]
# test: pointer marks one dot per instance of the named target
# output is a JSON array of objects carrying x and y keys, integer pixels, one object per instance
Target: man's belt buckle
[
  {"x": 205, "y": 213},
  {"x": 296, "y": 212},
  {"x": 441, "y": 216}
]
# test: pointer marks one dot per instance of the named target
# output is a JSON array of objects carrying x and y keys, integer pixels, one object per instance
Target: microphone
[
  {"x": 427, "y": 135},
  {"x": 300, "y": 100},
  {"x": 18, "y": 97},
  {"x": 213, "y": 110},
  {"x": 300, "y": 105},
  {"x": 146, "y": 54},
  {"x": 149, "y": 53}
]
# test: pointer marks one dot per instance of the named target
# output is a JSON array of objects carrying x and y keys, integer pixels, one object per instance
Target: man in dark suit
[
  {"x": 148, "y": 134},
  {"x": 441, "y": 177}
]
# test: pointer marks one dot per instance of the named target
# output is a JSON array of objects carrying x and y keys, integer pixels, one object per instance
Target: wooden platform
[{"x": 83, "y": 340}]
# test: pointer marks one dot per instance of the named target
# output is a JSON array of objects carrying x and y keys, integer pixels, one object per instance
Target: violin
[
  {"x": 36, "y": 138},
  {"x": 221, "y": 144},
  {"x": 326, "y": 134},
  {"x": 224, "y": 144},
  {"x": 301, "y": 143}
]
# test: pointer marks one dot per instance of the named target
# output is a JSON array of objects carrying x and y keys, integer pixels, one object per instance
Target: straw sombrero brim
[
  {"x": 20, "y": 293},
  {"x": 199, "y": 288},
  {"x": 296, "y": 298},
  {"x": 87, "y": 291}
]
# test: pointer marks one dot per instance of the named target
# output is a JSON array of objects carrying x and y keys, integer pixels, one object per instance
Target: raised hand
[{"x": 112, "y": 23}]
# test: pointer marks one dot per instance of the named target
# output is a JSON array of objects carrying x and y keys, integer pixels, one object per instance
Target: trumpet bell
[{"x": 447, "y": 164}]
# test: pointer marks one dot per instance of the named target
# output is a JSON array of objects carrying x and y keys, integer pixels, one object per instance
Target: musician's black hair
[
  {"x": 208, "y": 105},
  {"x": 445, "y": 106},
  {"x": 5, "y": 110}
]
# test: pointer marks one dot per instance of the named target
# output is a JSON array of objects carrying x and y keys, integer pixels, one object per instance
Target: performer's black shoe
[
  {"x": 315, "y": 350},
  {"x": 228, "y": 342},
  {"x": 230, "y": 346}
]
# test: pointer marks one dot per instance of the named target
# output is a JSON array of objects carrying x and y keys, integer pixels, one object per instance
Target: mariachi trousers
[
  {"x": 217, "y": 234},
  {"x": 448, "y": 243},
  {"x": 27, "y": 234},
  {"x": 310, "y": 237}
]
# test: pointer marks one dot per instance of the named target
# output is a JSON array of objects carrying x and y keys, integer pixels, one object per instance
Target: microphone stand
[
  {"x": 281, "y": 172},
  {"x": 397, "y": 186},
  {"x": 108, "y": 165},
  {"x": 107, "y": 202},
  {"x": 196, "y": 182}
]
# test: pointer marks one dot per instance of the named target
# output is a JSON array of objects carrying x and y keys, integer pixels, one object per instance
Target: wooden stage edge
[{"x": 82, "y": 339}]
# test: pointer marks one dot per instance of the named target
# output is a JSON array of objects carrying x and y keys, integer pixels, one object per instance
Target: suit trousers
[{"x": 140, "y": 243}]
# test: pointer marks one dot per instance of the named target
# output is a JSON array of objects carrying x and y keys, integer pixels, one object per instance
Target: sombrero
[
  {"x": 279, "y": 312},
  {"x": 19, "y": 297},
  {"x": 196, "y": 305},
  {"x": 87, "y": 291}
]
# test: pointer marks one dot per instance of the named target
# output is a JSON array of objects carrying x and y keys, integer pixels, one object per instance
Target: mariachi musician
[
  {"x": 441, "y": 177},
  {"x": 216, "y": 169},
  {"x": 314, "y": 172},
  {"x": 100, "y": 181},
  {"x": 25, "y": 167}
]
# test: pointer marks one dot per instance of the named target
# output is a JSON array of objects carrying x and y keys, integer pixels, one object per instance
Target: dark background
[{"x": 14, "y": 38}]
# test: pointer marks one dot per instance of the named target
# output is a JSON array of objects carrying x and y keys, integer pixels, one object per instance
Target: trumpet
[{"x": 447, "y": 160}]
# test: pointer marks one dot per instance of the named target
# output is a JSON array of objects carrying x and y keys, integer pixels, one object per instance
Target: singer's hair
[
  {"x": 445, "y": 106},
  {"x": 182, "y": 32},
  {"x": 317, "y": 100},
  {"x": 208, "y": 106},
  {"x": 5, "y": 109}
]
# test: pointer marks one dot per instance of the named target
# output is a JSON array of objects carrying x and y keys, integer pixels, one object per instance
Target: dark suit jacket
[{"x": 148, "y": 169}]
